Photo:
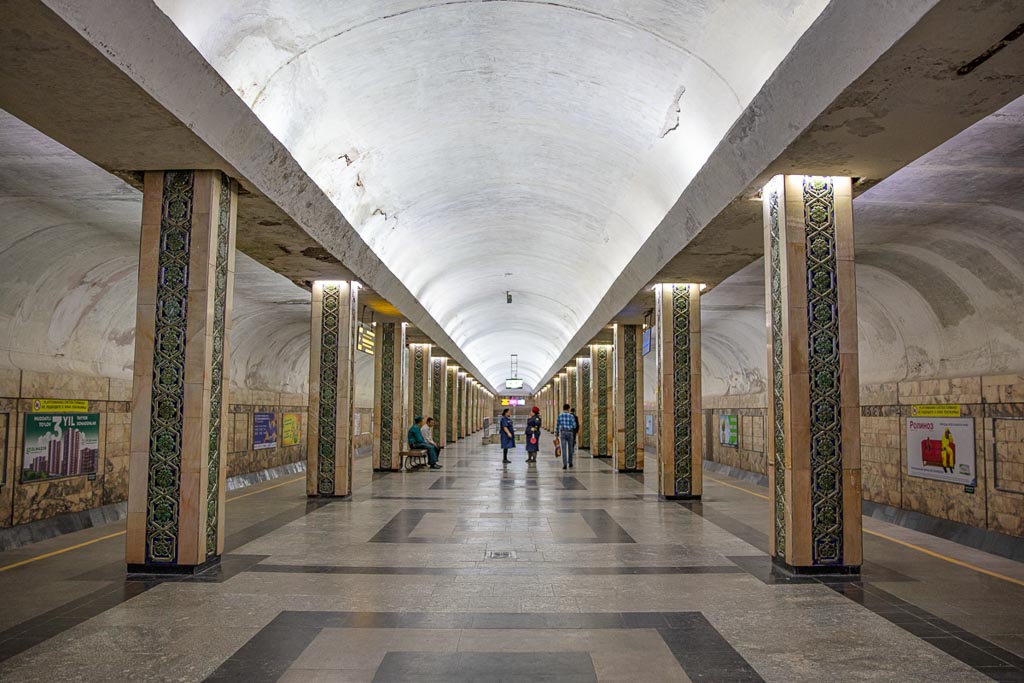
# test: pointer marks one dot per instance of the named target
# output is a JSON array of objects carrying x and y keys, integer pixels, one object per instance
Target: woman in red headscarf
[{"x": 533, "y": 435}]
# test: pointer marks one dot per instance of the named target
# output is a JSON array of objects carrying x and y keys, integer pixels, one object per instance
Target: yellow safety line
[
  {"x": 122, "y": 533},
  {"x": 60, "y": 552},
  {"x": 918, "y": 548},
  {"x": 253, "y": 493}
]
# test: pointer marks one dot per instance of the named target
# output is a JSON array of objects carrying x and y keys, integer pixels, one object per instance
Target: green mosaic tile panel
[
  {"x": 778, "y": 374},
  {"x": 682, "y": 433},
  {"x": 168, "y": 396},
  {"x": 823, "y": 371},
  {"x": 387, "y": 394},
  {"x": 629, "y": 369},
  {"x": 220, "y": 293},
  {"x": 330, "y": 338},
  {"x": 602, "y": 402}
]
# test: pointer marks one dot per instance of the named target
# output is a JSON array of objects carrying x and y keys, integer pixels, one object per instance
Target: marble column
[
  {"x": 329, "y": 437},
  {"x": 629, "y": 398},
  {"x": 602, "y": 409},
  {"x": 179, "y": 404},
  {"x": 452, "y": 404},
  {"x": 419, "y": 396},
  {"x": 679, "y": 420},
  {"x": 438, "y": 398},
  {"x": 583, "y": 381},
  {"x": 389, "y": 419},
  {"x": 814, "y": 403}
]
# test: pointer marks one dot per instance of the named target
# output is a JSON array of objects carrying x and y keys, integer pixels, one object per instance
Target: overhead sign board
[
  {"x": 514, "y": 383},
  {"x": 365, "y": 337}
]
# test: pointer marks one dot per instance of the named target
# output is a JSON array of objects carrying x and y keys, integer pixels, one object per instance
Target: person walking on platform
[
  {"x": 533, "y": 435},
  {"x": 508, "y": 435},
  {"x": 565, "y": 428}
]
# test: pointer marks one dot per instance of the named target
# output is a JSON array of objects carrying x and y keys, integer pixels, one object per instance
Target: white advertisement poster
[{"x": 941, "y": 448}]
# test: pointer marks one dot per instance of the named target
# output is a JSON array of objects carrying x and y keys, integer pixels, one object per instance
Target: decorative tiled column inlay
[
  {"x": 583, "y": 368},
  {"x": 186, "y": 272},
  {"x": 168, "y": 408},
  {"x": 451, "y": 403},
  {"x": 680, "y": 426},
  {"x": 813, "y": 411},
  {"x": 221, "y": 295},
  {"x": 329, "y": 447},
  {"x": 328, "y": 389},
  {"x": 389, "y": 381},
  {"x": 602, "y": 441},
  {"x": 823, "y": 362},
  {"x": 439, "y": 392},
  {"x": 629, "y": 410},
  {"x": 777, "y": 424}
]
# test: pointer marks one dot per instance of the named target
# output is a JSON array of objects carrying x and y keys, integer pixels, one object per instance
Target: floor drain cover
[{"x": 501, "y": 555}]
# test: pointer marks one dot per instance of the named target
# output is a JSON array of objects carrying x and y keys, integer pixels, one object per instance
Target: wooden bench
[{"x": 410, "y": 460}]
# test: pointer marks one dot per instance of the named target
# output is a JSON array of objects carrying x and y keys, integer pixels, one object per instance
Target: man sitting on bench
[{"x": 417, "y": 442}]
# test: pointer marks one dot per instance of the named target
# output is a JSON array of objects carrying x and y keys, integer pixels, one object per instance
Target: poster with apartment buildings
[{"x": 60, "y": 445}]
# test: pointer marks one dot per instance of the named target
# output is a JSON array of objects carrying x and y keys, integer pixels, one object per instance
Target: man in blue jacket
[{"x": 417, "y": 442}]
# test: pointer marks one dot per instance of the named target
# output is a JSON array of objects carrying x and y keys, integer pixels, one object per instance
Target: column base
[
  {"x": 626, "y": 470},
  {"x": 784, "y": 568},
  {"x": 381, "y": 469},
  {"x": 325, "y": 496},
  {"x": 140, "y": 570},
  {"x": 685, "y": 496},
  {"x": 598, "y": 455}
]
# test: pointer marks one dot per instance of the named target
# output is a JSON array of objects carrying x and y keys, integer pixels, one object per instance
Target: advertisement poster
[
  {"x": 264, "y": 431},
  {"x": 941, "y": 448},
  {"x": 291, "y": 429},
  {"x": 60, "y": 445},
  {"x": 728, "y": 430}
]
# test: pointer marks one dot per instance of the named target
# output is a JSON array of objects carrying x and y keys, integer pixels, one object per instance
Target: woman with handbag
[{"x": 533, "y": 435}]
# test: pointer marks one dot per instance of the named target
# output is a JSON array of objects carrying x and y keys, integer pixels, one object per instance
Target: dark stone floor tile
[
  {"x": 644, "y": 620},
  {"x": 964, "y": 651},
  {"x": 921, "y": 629}
]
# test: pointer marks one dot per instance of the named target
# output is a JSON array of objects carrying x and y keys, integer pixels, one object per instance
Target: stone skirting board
[
  {"x": 24, "y": 502},
  {"x": 995, "y": 402}
]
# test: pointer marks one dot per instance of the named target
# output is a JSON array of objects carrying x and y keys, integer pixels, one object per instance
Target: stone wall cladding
[
  {"x": 995, "y": 402},
  {"x": 111, "y": 398}
]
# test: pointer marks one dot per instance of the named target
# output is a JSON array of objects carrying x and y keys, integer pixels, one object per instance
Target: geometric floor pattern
[{"x": 522, "y": 572}]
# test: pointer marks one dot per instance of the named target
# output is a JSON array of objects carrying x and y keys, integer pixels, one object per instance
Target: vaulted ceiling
[{"x": 484, "y": 147}]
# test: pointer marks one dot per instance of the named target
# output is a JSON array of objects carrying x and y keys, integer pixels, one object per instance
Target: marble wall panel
[
  {"x": 32, "y": 501},
  {"x": 996, "y": 403}
]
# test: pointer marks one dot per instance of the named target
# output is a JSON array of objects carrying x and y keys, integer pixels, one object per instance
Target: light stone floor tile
[{"x": 787, "y": 632}]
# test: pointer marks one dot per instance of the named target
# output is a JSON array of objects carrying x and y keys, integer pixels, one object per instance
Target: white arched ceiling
[
  {"x": 69, "y": 258},
  {"x": 480, "y": 147},
  {"x": 940, "y": 271}
]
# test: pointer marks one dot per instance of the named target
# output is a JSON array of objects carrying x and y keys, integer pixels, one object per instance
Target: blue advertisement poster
[{"x": 264, "y": 431}]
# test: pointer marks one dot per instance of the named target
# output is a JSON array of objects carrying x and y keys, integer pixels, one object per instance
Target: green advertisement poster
[
  {"x": 60, "y": 445},
  {"x": 728, "y": 430},
  {"x": 291, "y": 429}
]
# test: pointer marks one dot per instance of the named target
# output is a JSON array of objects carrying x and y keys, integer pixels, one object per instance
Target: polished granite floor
[{"x": 484, "y": 572}]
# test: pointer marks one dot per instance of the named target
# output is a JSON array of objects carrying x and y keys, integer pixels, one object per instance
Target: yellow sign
[
  {"x": 936, "y": 410},
  {"x": 365, "y": 336},
  {"x": 59, "y": 405},
  {"x": 291, "y": 429}
]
